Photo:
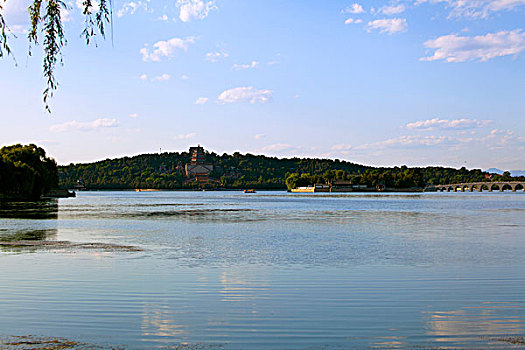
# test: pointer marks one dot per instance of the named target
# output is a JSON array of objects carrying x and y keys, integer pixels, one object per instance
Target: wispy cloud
[
  {"x": 280, "y": 148},
  {"x": 166, "y": 49},
  {"x": 392, "y": 9},
  {"x": 162, "y": 77},
  {"x": 245, "y": 94},
  {"x": 454, "y": 48},
  {"x": 201, "y": 100},
  {"x": 185, "y": 136},
  {"x": 17, "y": 29},
  {"x": 389, "y": 25},
  {"x": 475, "y": 8},
  {"x": 97, "y": 124},
  {"x": 341, "y": 147},
  {"x": 355, "y": 8},
  {"x": 129, "y": 8},
  {"x": 408, "y": 141},
  {"x": 259, "y": 136},
  {"x": 216, "y": 56},
  {"x": 355, "y": 21},
  {"x": 194, "y": 9},
  {"x": 445, "y": 124},
  {"x": 251, "y": 65}
]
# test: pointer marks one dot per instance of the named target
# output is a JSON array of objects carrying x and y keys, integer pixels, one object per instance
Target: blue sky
[{"x": 419, "y": 82}]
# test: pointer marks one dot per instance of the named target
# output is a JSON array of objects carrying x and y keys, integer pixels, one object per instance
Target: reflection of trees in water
[
  {"x": 29, "y": 227},
  {"x": 27, "y": 235},
  {"x": 29, "y": 210}
]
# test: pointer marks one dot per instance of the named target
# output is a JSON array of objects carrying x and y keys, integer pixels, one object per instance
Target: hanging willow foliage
[
  {"x": 3, "y": 35},
  {"x": 45, "y": 18}
]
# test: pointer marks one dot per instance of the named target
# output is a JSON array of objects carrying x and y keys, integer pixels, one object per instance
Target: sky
[{"x": 384, "y": 83}]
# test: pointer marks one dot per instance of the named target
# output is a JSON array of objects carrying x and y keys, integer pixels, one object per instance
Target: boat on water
[{"x": 249, "y": 191}]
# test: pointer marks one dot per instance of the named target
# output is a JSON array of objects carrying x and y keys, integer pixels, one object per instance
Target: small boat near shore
[{"x": 250, "y": 191}]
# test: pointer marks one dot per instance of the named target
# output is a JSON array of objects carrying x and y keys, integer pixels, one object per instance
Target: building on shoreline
[
  {"x": 333, "y": 186},
  {"x": 197, "y": 169}
]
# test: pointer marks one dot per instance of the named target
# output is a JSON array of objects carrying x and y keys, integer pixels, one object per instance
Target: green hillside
[
  {"x": 166, "y": 171},
  {"x": 236, "y": 171}
]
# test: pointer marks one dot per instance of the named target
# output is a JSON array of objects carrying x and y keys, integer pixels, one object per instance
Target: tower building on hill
[{"x": 198, "y": 169}]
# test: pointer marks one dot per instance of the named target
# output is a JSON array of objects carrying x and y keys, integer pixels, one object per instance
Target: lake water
[{"x": 270, "y": 270}]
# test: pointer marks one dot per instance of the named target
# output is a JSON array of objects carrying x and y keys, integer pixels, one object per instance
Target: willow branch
[{"x": 4, "y": 47}]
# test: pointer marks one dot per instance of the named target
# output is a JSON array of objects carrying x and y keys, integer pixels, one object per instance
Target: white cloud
[
  {"x": 392, "y": 10},
  {"x": 389, "y": 25},
  {"x": 194, "y": 9},
  {"x": 259, "y": 136},
  {"x": 166, "y": 48},
  {"x": 143, "y": 77},
  {"x": 354, "y": 8},
  {"x": 201, "y": 100},
  {"x": 184, "y": 77},
  {"x": 133, "y": 115},
  {"x": 456, "y": 124},
  {"x": 454, "y": 48},
  {"x": 185, "y": 136},
  {"x": 355, "y": 21},
  {"x": 129, "y": 8},
  {"x": 163, "y": 77},
  {"x": 215, "y": 56},
  {"x": 245, "y": 66},
  {"x": 245, "y": 94},
  {"x": 97, "y": 124}
]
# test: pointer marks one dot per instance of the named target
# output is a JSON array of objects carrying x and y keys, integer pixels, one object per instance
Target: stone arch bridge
[{"x": 482, "y": 186}]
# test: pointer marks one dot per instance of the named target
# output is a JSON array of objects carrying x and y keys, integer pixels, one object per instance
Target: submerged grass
[
  {"x": 30, "y": 342},
  {"x": 66, "y": 245}
]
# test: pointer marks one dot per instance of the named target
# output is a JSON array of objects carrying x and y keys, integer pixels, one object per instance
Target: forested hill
[{"x": 166, "y": 171}]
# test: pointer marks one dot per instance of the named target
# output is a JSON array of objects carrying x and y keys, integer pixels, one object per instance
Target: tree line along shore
[
  {"x": 241, "y": 171},
  {"x": 27, "y": 173}
]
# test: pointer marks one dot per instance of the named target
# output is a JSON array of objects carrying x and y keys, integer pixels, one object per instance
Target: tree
[
  {"x": 46, "y": 21},
  {"x": 26, "y": 172}
]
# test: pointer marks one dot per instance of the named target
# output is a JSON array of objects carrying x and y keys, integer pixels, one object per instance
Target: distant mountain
[
  {"x": 512, "y": 172},
  {"x": 495, "y": 171}
]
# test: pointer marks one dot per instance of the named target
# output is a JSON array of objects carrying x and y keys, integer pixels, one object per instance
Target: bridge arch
[
  {"x": 477, "y": 187},
  {"x": 494, "y": 187},
  {"x": 504, "y": 187},
  {"x": 482, "y": 186}
]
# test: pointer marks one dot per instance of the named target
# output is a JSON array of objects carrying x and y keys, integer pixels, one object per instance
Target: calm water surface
[{"x": 270, "y": 270}]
